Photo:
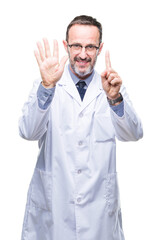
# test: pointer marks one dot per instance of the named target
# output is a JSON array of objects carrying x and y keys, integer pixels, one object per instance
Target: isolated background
[{"x": 132, "y": 33}]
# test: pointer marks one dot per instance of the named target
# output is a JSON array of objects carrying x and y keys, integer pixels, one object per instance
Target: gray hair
[{"x": 85, "y": 20}]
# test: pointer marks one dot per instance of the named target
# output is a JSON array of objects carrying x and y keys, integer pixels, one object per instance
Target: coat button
[
  {"x": 81, "y": 115},
  {"x": 79, "y": 171},
  {"x": 80, "y": 143},
  {"x": 79, "y": 200}
]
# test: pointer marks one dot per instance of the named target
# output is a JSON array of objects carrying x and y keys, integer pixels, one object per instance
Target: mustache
[{"x": 79, "y": 59}]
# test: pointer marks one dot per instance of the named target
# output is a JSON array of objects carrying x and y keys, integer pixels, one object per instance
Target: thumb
[
  {"x": 63, "y": 61},
  {"x": 104, "y": 74}
]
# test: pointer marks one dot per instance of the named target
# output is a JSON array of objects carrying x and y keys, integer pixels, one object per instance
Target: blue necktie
[{"x": 81, "y": 88}]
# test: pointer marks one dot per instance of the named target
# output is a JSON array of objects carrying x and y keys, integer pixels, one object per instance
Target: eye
[
  {"x": 76, "y": 46},
  {"x": 90, "y": 47}
]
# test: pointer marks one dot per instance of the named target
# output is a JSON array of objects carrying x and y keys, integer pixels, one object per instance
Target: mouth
[{"x": 82, "y": 62}]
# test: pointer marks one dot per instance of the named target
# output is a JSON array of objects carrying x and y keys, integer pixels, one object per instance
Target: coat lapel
[
  {"x": 67, "y": 83},
  {"x": 94, "y": 88}
]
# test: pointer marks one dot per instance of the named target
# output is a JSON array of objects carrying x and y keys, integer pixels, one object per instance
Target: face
[{"x": 82, "y": 61}]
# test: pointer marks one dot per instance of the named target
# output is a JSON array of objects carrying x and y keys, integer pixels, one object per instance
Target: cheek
[
  {"x": 72, "y": 58},
  {"x": 93, "y": 60}
]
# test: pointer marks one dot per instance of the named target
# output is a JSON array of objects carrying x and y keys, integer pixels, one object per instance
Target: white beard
[
  {"x": 82, "y": 74},
  {"x": 88, "y": 71}
]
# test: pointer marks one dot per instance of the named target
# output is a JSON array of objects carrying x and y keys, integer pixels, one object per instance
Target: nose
[{"x": 83, "y": 53}]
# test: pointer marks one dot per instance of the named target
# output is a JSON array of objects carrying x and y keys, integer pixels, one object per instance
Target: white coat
[{"x": 74, "y": 193}]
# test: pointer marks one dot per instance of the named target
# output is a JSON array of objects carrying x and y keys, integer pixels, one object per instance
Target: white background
[{"x": 132, "y": 33}]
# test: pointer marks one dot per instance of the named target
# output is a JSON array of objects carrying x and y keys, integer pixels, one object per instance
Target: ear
[
  {"x": 100, "y": 49},
  {"x": 65, "y": 45}
]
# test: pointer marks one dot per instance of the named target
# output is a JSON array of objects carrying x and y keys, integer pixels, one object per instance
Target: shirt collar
[{"x": 76, "y": 79}]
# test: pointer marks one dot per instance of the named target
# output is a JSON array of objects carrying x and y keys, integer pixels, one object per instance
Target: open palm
[{"x": 50, "y": 68}]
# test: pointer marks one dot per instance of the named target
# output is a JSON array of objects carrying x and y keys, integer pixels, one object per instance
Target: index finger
[
  {"x": 55, "y": 49},
  {"x": 107, "y": 60},
  {"x": 47, "y": 48}
]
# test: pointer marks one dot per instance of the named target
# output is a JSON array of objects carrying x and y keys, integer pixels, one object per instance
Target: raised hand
[
  {"x": 111, "y": 81},
  {"x": 50, "y": 68}
]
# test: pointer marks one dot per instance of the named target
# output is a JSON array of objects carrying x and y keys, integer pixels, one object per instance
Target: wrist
[
  {"x": 48, "y": 85},
  {"x": 113, "y": 97},
  {"x": 115, "y": 100}
]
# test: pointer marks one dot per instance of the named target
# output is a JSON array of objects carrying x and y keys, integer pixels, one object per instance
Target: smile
[{"x": 82, "y": 63}]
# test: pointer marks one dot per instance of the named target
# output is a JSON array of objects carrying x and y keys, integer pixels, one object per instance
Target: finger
[
  {"x": 111, "y": 72},
  {"x": 107, "y": 60},
  {"x": 38, "y": 58},
  {"x": 63, "y": 62},
  {"x": 56, "y": 50},
  {"x": 104, "y": 74},
  {"x": 47, "y": 48},
  {"x": 116, "y": 82},
  {"x": 111, "y": 76},
  {"x": 41, "y": 51}
]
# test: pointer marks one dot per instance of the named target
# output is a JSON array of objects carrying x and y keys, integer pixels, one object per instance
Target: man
[{"x": 74, "y": 191}]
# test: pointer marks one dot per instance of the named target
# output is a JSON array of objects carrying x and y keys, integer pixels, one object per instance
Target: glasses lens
[
  {"x": 76, "y": 47},
  {"x": 89, "y": 48}
]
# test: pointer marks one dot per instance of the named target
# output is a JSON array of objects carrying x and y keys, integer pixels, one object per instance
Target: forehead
[{"x": 84, "y": 34}]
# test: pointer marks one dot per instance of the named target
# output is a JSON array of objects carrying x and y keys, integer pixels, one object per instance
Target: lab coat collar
[{"x": 94, "y": 88}]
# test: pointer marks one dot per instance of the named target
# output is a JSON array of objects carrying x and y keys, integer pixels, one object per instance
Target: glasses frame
[{"x": 81, "y": 47}]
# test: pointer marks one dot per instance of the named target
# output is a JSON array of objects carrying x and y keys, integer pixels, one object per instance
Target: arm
[
  {"x": 45, "y": 96},
  {"x": 126, "y": 123},
  {"x": 118, "y": 109},
  {"x": 34, "y": 121},
  {"x": 128, "y": 127}
]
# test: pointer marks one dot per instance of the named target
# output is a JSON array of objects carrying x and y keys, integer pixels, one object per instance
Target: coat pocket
[
  {"x": 112, "y": 193},
  {"x": 38, "y": 220},
  {"x": 103, "y": 128},
  {"x": 41, "y": 190}
]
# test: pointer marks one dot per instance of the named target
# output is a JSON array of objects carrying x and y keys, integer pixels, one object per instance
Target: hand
[
  {"x": 50, "y": 69},
  {"x": 111, "y": 81}
]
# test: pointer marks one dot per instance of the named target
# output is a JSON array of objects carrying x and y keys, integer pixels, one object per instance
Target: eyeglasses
[{"x": 78, "y": 48}]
